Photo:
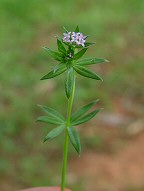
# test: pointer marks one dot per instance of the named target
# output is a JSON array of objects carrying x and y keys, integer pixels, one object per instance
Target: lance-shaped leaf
[
  {"x": 86, "y": 117},
  {"x": 74, "y": 137},
  {"x": 69, "y": 82},
  {"x": 55, "y": 55},
  {"x": 61, "y": 47},
  {"x": 54, "y": 133},
  {"x": 49, "y": 120},
  {"x": 77, "y": 29},
  {"x": 86, "y": 72},
  {"x": 80, "y": 54},
  {"x": 62, "y": 68},
  {"x": 89, "y": 61},
  {"x": 87, "y": 44},
  {"x": 58, "y": 66},
  {"x": 65, "y": 29},
  {"x": 82, "y": 111},
  {"x": 52, "y": 113}
]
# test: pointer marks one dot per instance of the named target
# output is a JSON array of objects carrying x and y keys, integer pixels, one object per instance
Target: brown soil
[{"x": 122, "y": 171}]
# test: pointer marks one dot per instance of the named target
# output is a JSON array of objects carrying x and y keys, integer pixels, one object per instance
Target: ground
[{"x": 113, "y": 172}]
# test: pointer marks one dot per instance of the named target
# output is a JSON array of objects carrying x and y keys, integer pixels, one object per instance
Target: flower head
[{"x": 75, "y": 38}]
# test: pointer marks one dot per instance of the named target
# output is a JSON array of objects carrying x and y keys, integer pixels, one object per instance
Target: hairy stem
[{"x": 70, "y": 102}]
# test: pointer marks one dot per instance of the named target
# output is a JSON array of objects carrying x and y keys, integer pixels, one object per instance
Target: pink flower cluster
[{"x": 74, "y": 38}]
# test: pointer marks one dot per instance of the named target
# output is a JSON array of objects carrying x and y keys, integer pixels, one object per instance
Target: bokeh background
[{"x": 112, "y": 156}]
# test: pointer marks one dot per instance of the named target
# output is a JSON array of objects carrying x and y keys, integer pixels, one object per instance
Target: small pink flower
[{"x": 75, "y": 38}]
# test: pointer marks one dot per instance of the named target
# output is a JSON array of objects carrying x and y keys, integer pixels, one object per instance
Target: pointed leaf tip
[
  {"x": 65, "y": 29},
  {"x": 56, "y": 72},
  {"x": 107, "y": 60},
  {"x": 50, "y": 120},
  {"x": 89, "y": 61},
  {"x": 86, "y": 72},
  {"x": 87, "y": 44},
  {"x": 74, "y": 137},
  {"x": 54, "y": 133},
  {"x": 83, "y": 110},
  {"x": 77, "y": 29},
  {"x": 55, "y": 55},
  {"x": 52, "y": 113},
  {"x": 85, "y": 118}
]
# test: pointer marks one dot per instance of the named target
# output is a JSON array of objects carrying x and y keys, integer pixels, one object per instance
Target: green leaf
[
  {"x": 65, "y": 29},
  {"x": 86, "y": 117},
  {"x": 54, "y": 73},
  {"x": 58, "y": 66},
  {"x": 66, "y": 43},
  {"x": 55, "y": 55},
  {"x": 69, "y": 82},
  {"x": 52, "y": 112},
  {"x": 87, "y": 44},
  {"x": 80, "y": 46},
  {"x": 89, "y": 61},
  {"x": 77, "y": 29},
  {"x": 87, "y": 73},
  {"x": 80, "y": 54},
  {"x": 50, "y": 120},
  {"x": 61, "y": 47},
  {"x": 54, "y": 133},
  {"x": 74, "y": 137},
  {"x": 82, "y": 110}
]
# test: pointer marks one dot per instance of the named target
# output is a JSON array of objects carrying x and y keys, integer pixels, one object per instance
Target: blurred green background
[{"x": 117, "y": 27}]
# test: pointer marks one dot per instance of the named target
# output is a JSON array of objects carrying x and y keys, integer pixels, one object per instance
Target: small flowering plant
[{"x": 71, "y": 47}]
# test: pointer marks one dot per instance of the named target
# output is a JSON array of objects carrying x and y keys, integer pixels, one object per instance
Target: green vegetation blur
[{"x": 25, "y": 26}]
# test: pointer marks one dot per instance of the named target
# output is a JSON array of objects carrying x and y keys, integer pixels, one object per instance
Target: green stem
[{"x": 70, "y": 102}]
